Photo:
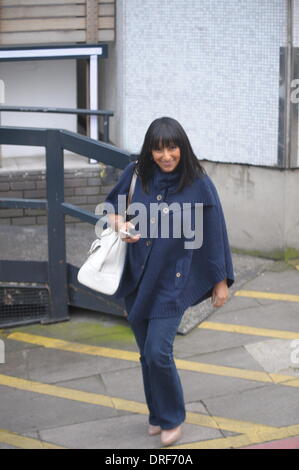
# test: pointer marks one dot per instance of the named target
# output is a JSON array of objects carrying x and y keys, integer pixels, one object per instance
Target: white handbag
[{"x": 104, "y": 266}]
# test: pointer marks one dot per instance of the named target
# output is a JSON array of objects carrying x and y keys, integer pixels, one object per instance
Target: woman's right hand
[{"x": 125, "y": 238}]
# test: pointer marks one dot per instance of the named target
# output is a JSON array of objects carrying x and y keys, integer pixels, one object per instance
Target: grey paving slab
[
  {"x": 25, "y": 243},
  {"x": 126, "y": 432},
  {"x": 199, "y": 386},
  {"x": 286, "y": 282},
  {"x": 199, "y": 407},
  {"x": 238, "y": 357},
  {"x": 50, "y": 365},
  {"x": 196, "y": 407},
  {"x": 23, "y": 411},
  {"x": 196, "y": 385},
  {"x": 96, "y": 385},
  {"x": 277, "y": 315},
  {"x": 276, "y": 355},
  {"x": 272, "y": 405},
  {"x": 208, "y": 341},
  {"x": 127, "y": 383},
  {"x": 295, "y": 308},
  {"x": 15, "y": 363},
  {"x": 92, "y": 384}
]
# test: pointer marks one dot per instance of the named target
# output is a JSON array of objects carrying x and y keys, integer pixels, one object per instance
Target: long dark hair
[{"x": 167, "y": 131}]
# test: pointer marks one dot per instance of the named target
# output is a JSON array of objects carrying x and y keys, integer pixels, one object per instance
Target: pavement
[{"x": 78, "y": 384}]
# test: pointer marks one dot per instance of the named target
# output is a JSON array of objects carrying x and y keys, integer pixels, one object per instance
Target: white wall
[
  {"x": 112, "y": 80},
  {"x": 38, "y": 83},
  {"x": 214, "y": 66}
]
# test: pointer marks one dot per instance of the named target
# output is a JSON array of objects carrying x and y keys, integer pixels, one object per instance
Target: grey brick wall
[{"x": 84, "y": 188}]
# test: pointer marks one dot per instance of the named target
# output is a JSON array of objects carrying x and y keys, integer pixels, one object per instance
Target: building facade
[{"x": 225, "y": 69}]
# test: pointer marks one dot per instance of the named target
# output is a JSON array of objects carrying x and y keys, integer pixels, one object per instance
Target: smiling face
[{"x": 167, "y": 158}]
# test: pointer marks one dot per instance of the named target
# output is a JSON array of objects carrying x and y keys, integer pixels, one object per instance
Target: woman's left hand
[{"x": 220, "y": 294}]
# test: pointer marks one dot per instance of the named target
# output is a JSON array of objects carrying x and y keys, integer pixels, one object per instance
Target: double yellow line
[
  {"x": 253, "y": 431},
  {"x": 226, "y": 371},
  {"x": 248, "y": 432}
]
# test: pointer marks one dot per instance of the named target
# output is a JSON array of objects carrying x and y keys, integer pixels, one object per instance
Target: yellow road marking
[
  {"x": 249, "y": 330},
  {"x": 228, "y": 442},
  {"x": 243, "y": 440},
  {"x": 215, "y": 422},
  {"x": 267, "y": 295},
  {"x": 23, "y": 442},
  {"x": 54, "y": 343},
  {"x": 232, "y": 425},
  {"x": 252, "y": 432},
  {"x": 225, "y": 371}
]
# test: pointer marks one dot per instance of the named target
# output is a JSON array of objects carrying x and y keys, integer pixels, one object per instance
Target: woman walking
[{"x": 163, "y": 275}]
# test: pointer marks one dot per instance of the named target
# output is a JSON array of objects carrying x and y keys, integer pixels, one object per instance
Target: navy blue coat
[{"x": 162, "y": 278}]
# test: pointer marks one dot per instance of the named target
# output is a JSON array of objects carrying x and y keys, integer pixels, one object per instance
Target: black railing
[
  {"x": 59, "y": 277},
  {"x": 87, "y": 112}
]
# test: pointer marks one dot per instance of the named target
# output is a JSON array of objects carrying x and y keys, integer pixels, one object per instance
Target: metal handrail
[
  {"x": 45, "y": 109},
  {"x": 59, "y": 275}
]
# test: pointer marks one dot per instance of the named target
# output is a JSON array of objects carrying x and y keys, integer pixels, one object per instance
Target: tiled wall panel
[{"x": 211, "y": 64}]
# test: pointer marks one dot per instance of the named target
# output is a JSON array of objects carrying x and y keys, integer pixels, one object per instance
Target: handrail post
[
  {"x": 93, "y": 95},
  {"x": 57, "y": 268}
]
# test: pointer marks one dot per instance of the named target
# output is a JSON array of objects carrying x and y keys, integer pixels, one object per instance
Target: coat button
[
  {"x": 165, "y": 210},
  {"x": 159, "y": 197},
  {"x": 148, "y": 242},
  {"x": 153, "y": 220},
  {"x": 178, "y": 274}
]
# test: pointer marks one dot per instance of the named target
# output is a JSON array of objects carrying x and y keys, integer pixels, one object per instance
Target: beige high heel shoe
[
  {"x": 169, "y": 436},
  {"x": 154, "y": 430}
]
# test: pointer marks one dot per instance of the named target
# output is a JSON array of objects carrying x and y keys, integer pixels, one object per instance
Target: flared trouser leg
[{"x": 162, "y": 385}]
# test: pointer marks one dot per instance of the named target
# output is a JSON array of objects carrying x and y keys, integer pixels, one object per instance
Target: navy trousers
[{"x": 162, "y": 385}]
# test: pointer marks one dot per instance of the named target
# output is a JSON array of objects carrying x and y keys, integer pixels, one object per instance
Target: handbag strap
[
  {"x": 131, "y": 190},
  {"x": 132, "y": 187}
]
